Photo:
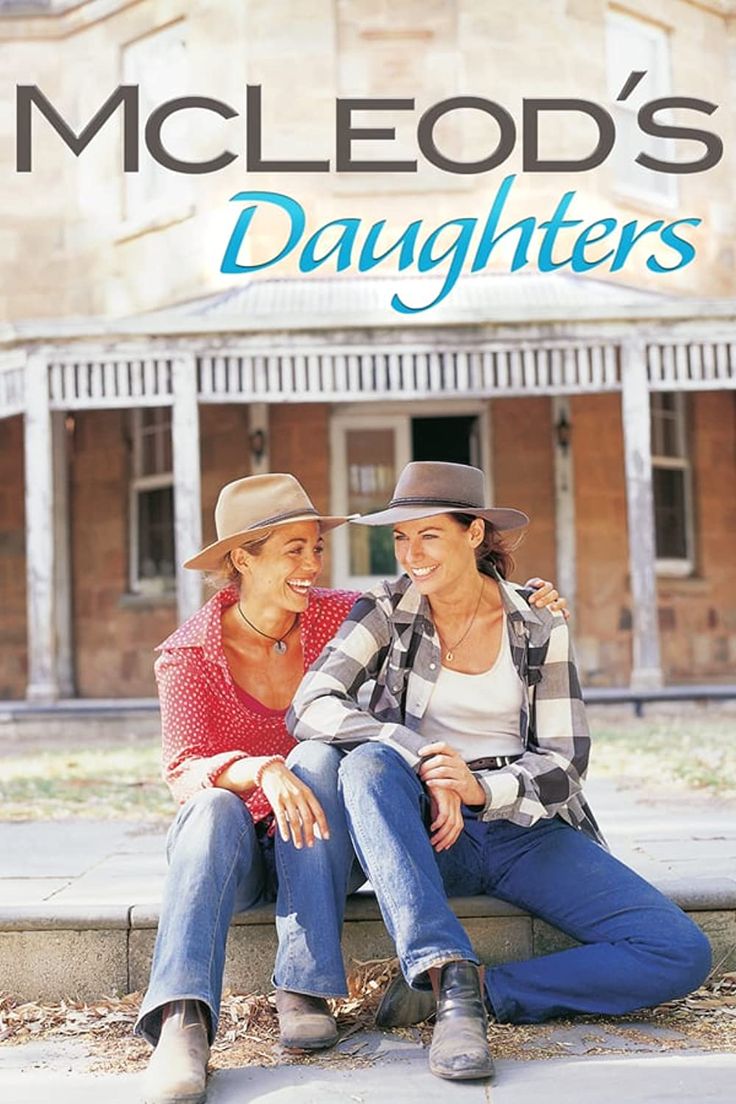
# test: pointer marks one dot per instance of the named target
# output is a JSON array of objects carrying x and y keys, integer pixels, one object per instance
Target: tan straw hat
[
  {"x": 429, "y": 487},
  {"x": 249, "y": 508}
]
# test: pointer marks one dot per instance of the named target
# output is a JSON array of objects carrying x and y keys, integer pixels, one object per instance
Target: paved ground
[
  {"x": 121, "y": 863},
  {"x": 43, "y": 1071}
]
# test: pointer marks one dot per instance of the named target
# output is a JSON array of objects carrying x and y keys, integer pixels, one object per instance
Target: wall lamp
[
  {"x": 258, "y": 444},
  {"x": 563, "y": 432}
]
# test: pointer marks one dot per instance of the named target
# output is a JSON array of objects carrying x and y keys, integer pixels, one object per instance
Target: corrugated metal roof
[{"x": 356, "y": 300}]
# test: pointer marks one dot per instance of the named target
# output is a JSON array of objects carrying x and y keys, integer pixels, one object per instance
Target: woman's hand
[
  {"x": 444, "y": 769},
  {"x": 545, "y": 594},
  {"x": 447, "y": 818},
  {"x": 298, "y": 812}
]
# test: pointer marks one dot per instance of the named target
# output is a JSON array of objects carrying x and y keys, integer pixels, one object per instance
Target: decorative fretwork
[
  {"x": 12, "y": 387},
  {"x": 120, "y": 382},
  {"x": 87, "y": 378},
  {"x": 691, "y": 365},
  {"x": 352, "y": 373}
]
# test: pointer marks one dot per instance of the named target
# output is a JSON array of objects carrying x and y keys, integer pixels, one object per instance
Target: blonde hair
[{"x": 227, "y": 573}]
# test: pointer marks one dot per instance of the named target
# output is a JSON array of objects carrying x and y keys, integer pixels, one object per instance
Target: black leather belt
[{"x": 492, "y": 762}]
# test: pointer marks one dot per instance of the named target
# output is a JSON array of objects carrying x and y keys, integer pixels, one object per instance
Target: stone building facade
[{"x": 604, "y": 407}]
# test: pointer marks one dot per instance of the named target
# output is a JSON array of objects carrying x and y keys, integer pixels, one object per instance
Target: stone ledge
[
  {"x": 62, "y": 917},
  {"x": 360, "y": 906},
  {"x": 66, "y": 964},
  {"x": 700, "y": 894},
  {"x": 84, "y": 952}
]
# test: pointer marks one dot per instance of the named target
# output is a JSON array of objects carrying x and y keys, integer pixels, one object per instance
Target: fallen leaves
[{"x": 248, "y": 1030}]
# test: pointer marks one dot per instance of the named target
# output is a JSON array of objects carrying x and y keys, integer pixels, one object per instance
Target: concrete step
[
  {"x": 80, "y": 899},
  {"x": 52, "y": 952}
]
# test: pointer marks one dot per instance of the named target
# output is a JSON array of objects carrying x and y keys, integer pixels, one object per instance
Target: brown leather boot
[
  {"x": 459, "y": 1050},
  {"x": 305, "y": 1022},
  {"x": 177, "y": 1071}
]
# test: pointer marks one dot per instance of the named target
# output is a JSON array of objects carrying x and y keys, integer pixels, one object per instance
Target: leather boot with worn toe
[
  {"x": 305, "y": 1022},
  {"x": 459, "y": 1050},
  {"x": 402, "y": 1006},
  {"x": 177, "y": 1071}
]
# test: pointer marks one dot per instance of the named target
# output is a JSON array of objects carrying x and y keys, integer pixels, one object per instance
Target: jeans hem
[
  {"x": 428, "y": 962},
  {"x": 139, "y": 1027},
  {"x": 494, "y": 1003},
  {"x": 336, "y": 993}
]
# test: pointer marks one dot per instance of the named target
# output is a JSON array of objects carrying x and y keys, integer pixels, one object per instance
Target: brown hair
[
  {"x": 227, "y": 573},
  {"x": 494, "y": 551}
]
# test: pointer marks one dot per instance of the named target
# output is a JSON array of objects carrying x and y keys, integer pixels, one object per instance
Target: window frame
[
  {"x": 667, "y": 565},
  {"x": 396, "y": 416},
  {"x": 154, "y": 198},
  {"x": 657, "y": 88},
  {"x": 158, "y": 585}
]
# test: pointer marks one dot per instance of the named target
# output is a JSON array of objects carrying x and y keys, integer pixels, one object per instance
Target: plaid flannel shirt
[{"x": 389, "y": 638}]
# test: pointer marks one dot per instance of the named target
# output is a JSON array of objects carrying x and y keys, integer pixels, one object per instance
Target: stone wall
[
  {"x": 13, "y": 645},
  {"x": 521, "y": 444},
  {"x": 603, "y": 617},
  {"x": 697, "y": 623},
  {"x": 105, "y": 252},
  {"x": 299, "y": 435},
  {"x": 115, "y": 632}
]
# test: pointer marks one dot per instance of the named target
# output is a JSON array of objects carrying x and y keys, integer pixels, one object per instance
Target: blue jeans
[
  {"x": 219, "y": 864},
  {"x": 638, "y": 948}
]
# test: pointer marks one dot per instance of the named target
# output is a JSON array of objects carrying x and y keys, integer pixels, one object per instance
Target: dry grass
[
  {"x": 248, "y": 1032},
  {"x": 673, "y": 753},
  {"x": 692, "y": 751},
  {"x": 104, "y": 783}
]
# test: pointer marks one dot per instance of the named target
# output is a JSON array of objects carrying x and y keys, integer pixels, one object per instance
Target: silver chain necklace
[
  {"x": 450, "y": 653},
  {"x": 279, "y": 642}
]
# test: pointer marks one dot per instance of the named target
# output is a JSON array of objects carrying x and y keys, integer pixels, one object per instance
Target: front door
[{"x": 368, "y": 452}]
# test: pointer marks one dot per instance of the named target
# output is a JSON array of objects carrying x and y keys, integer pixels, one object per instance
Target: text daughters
[{"x": 460, "y": 245}]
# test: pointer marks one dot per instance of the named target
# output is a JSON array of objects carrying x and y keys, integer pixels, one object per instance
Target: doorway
[{"x": 368, "y": 452}]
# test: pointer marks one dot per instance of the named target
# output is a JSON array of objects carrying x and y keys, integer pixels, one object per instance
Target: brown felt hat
[
  {"x": 250, "y": 508},
  {"x": 429, "y": 487}
]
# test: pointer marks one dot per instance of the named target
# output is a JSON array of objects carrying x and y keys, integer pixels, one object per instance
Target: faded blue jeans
[
  {"x": 638, "y": 948},
  {"x": 219, "y": 864}
]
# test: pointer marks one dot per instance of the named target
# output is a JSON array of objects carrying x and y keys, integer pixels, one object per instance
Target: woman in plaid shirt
[
  {"x": 465, "y": 776},
  {"x": 246, "y": 820}
]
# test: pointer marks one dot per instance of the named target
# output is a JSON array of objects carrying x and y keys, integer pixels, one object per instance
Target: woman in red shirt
[{"x": 225, "y": 679}]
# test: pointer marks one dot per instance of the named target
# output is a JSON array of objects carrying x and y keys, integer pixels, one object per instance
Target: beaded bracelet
[{"x": 267, "y": 763}]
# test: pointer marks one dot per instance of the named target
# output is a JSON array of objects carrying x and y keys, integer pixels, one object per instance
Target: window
[
  {"x": 152, "y": 503},
  {"x": 157, "y": 63},
  {"x": 632, "y": 44},
  {"x": 671, "y": 483}
]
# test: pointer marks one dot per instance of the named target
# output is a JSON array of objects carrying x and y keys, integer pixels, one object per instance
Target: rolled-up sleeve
[
  {"x": 326, "y": 706},
  {"x": 187, "y": 762}
]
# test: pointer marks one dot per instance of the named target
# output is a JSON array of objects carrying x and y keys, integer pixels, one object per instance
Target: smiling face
[
  {"x": 288, "y": 564},
  {"x": 437, "y": 553}
]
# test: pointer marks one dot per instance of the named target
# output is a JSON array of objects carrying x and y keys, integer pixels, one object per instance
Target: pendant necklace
[
  {"x": 450, "y": 653},
  {"x": 279, "y": 642}
]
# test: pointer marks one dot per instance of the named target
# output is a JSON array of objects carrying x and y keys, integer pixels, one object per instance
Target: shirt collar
[
  {"x": 204, "y": 629},
  {"x": 515, "y": 602},
  {"x": 412, "y": 604}
]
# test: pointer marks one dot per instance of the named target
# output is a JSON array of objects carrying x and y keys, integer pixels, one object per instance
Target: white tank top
[{"x": 478, "y": 714}]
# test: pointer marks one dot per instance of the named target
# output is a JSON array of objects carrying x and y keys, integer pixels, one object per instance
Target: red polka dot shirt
[{"x": 207, "y": 722}]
